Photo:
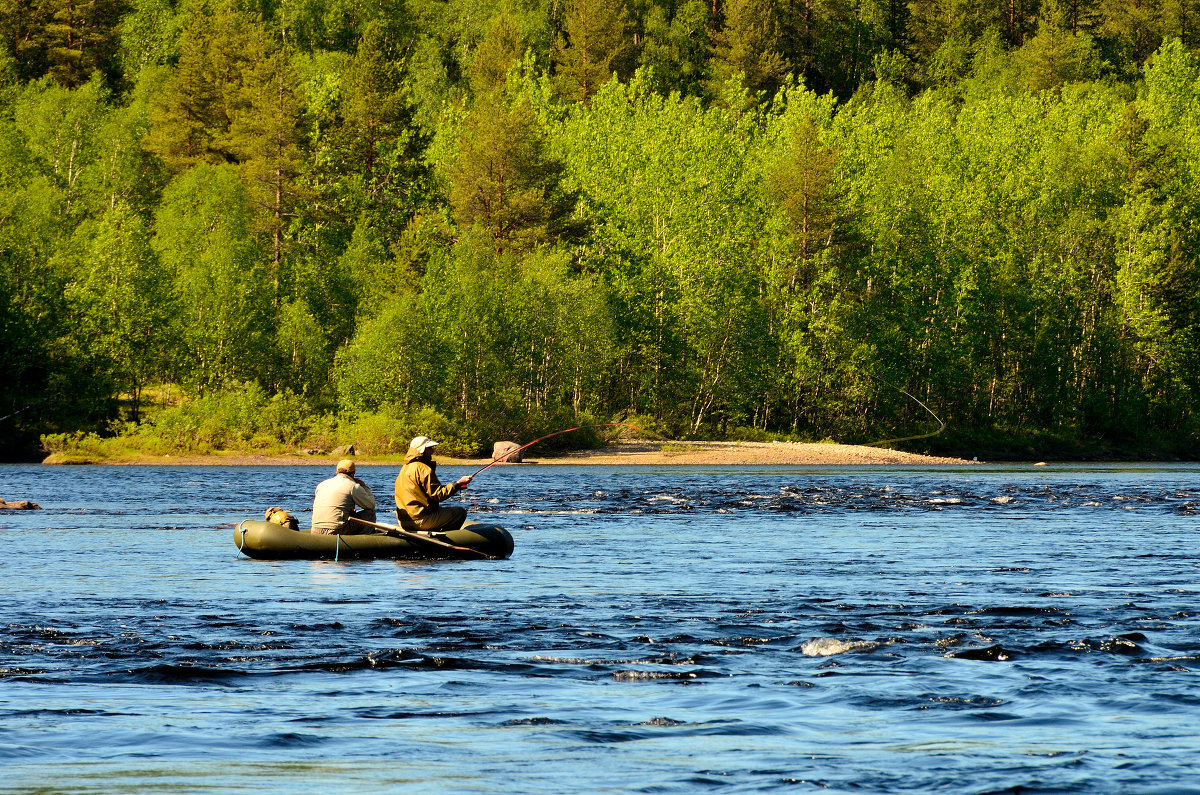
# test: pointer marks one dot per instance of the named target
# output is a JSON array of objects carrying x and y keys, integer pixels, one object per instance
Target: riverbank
[{"x": 627, "y": 453}]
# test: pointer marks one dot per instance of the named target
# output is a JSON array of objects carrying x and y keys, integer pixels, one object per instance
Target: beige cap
[
  {"x": 346, "y": 465},
  {"x": 421, "y": 443}
]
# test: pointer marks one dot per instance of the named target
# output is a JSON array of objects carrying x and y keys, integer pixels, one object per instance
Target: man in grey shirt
[{"x": 335, "y": 502}]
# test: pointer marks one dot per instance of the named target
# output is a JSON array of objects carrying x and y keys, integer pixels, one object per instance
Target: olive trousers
[{"x": 442, "y": 519}]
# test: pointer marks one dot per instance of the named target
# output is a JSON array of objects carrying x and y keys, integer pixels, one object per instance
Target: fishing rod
[{"x": 512, "y": 453}]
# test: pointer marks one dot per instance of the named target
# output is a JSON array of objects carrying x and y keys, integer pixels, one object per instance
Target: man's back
[{"x": 334, "y": 501}]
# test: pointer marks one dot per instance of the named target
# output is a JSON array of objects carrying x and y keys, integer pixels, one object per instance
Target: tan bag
[{"x": 280, "y": 516}]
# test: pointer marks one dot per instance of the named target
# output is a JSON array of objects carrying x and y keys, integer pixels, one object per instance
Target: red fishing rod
[{"x": 512, "y": 453}]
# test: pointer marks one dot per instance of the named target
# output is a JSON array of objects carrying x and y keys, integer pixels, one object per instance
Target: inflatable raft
[{"x": 270, "y": 541}]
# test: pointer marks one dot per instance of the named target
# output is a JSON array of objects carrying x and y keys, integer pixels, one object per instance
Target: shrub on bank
[
  {"x": 243, "y": 418},
  {"x": 389, "y": 430},
  {"x": 80, "y": 447}
]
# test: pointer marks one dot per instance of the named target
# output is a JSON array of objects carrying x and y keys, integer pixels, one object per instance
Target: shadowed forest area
[{"x": 300, "y": 224}]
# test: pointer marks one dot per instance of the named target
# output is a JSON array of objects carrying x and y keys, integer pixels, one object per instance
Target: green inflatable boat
[{"x": 473, "y": 541}]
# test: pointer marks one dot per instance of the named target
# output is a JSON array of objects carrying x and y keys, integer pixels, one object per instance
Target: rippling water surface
[{"x": 989, "y": 629}]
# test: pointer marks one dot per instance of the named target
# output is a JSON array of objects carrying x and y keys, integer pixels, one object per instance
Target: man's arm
[
  {"x": 362, "y": 496},
  {"x": 437, "y": 492}
]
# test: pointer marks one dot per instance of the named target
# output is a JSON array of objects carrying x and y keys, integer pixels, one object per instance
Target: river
[{"x": 658, "y": 629}]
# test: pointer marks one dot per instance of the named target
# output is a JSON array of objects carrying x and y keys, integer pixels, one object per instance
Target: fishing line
[
  {"x": 31, "y": 405},
  {"x": 941, "y": 424}
]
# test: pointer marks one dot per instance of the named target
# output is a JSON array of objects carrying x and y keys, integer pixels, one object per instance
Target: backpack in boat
[{"x": 280, "y": 516}]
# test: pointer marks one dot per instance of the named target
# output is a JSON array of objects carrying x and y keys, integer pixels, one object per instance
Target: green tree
[
  {"x": 1056, "y": 55},
  {"x": 81, "y": 38},
  {"x": 20, "y": 23},
  {"x": 749, "y": 44},
  {"x": 932, "y": 22},
  {"x": 62, "y": 127},
  {"x": 679, "y": 236},
  {"x": 677, "y": 47},
  {"x": 38, "y": 371},
  {"x": 503, "y": 46},
  {"x": 833, "y": 43},
  {"x": 265, "y": 135},
  {"x": 304, "y": 346},
  {"x": 592, "y": 46},
  {"x": 803, "y": 185},
  {"x": 1156, "y": 280},
  {"x": 504, "y": 178},
  {"x": 398, "y": 357},
  {"x": 120, "y": 301},
  {"x": 66, "y": 40},
  {"x": 1134, "y": 30},
  {"x": 193, "y": 113},
  {"x": 337, "y": 25},
  {"x": 376, "y": 146},
  {"x": 122, "y": 171},
  {"x": 149, "y": 36},
  {"x": 204, "y": 237}
]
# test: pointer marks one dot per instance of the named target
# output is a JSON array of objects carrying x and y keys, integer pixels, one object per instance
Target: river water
[{"x": 974, "y": 630}]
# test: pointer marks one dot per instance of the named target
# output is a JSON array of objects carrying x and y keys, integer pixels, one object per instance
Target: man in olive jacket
[{"x": 419, "y": 493}]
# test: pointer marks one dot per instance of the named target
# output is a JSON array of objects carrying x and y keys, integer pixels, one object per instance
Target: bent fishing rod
[{"x": 511, "y": 453}]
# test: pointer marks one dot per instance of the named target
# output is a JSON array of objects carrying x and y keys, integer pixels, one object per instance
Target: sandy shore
[
  {"x": 627, "y": 453},
  {"x": 747, "y": 453}
]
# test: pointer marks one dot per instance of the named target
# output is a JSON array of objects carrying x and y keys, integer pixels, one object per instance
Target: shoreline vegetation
[
  {"x": 243, "y": 426},
  {"x": 276, "y": 227},
  {"x": 624, "y": 453}
]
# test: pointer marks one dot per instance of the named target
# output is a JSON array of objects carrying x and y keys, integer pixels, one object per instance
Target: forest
[{"x": 298, "y": 224}]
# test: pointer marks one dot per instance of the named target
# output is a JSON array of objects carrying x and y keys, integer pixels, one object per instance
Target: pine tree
[
  {"x": 593, "y": 45},
  {"x": 181, "y": 116},
  {"x": 500, "y": 49},
  {"x": 504, "y": 180},
  {"x": 265, "y": 136},
  {"x": 1056, "y": 55},
  {"x": 749, "y": 44},
  {"x": 802, "y": 185},
  {"x": 192, "y": 115},
  {"x": 67, "y": 40},
  {"x": 376, "y": 145}
]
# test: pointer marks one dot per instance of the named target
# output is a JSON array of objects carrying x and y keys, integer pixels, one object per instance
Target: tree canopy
[{"x": 811, "y": 219}]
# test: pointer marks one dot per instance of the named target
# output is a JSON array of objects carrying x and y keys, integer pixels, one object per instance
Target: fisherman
[
  {"x": 419, "y": 493},
  {"x": 337, "y": 498}
]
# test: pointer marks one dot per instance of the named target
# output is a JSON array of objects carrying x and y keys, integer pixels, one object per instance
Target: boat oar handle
[{"x": 391, "y": 529}]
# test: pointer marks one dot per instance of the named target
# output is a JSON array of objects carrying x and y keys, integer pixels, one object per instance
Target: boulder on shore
[
  {"x": 19, "y": 505},
  {"x": 506, "y": 452}
]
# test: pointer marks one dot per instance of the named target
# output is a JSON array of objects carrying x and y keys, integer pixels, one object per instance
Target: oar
[{"x": 391, "y": 529}]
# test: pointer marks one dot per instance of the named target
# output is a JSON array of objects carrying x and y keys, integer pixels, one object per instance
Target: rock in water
[
  {"x": 506, "y": 452},
  {"x": 827, "y": 647},
  {"x": 19, "y": 505}
]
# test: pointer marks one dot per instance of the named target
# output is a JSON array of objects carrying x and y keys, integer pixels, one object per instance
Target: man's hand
[{"x": 463, "y": 481}]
